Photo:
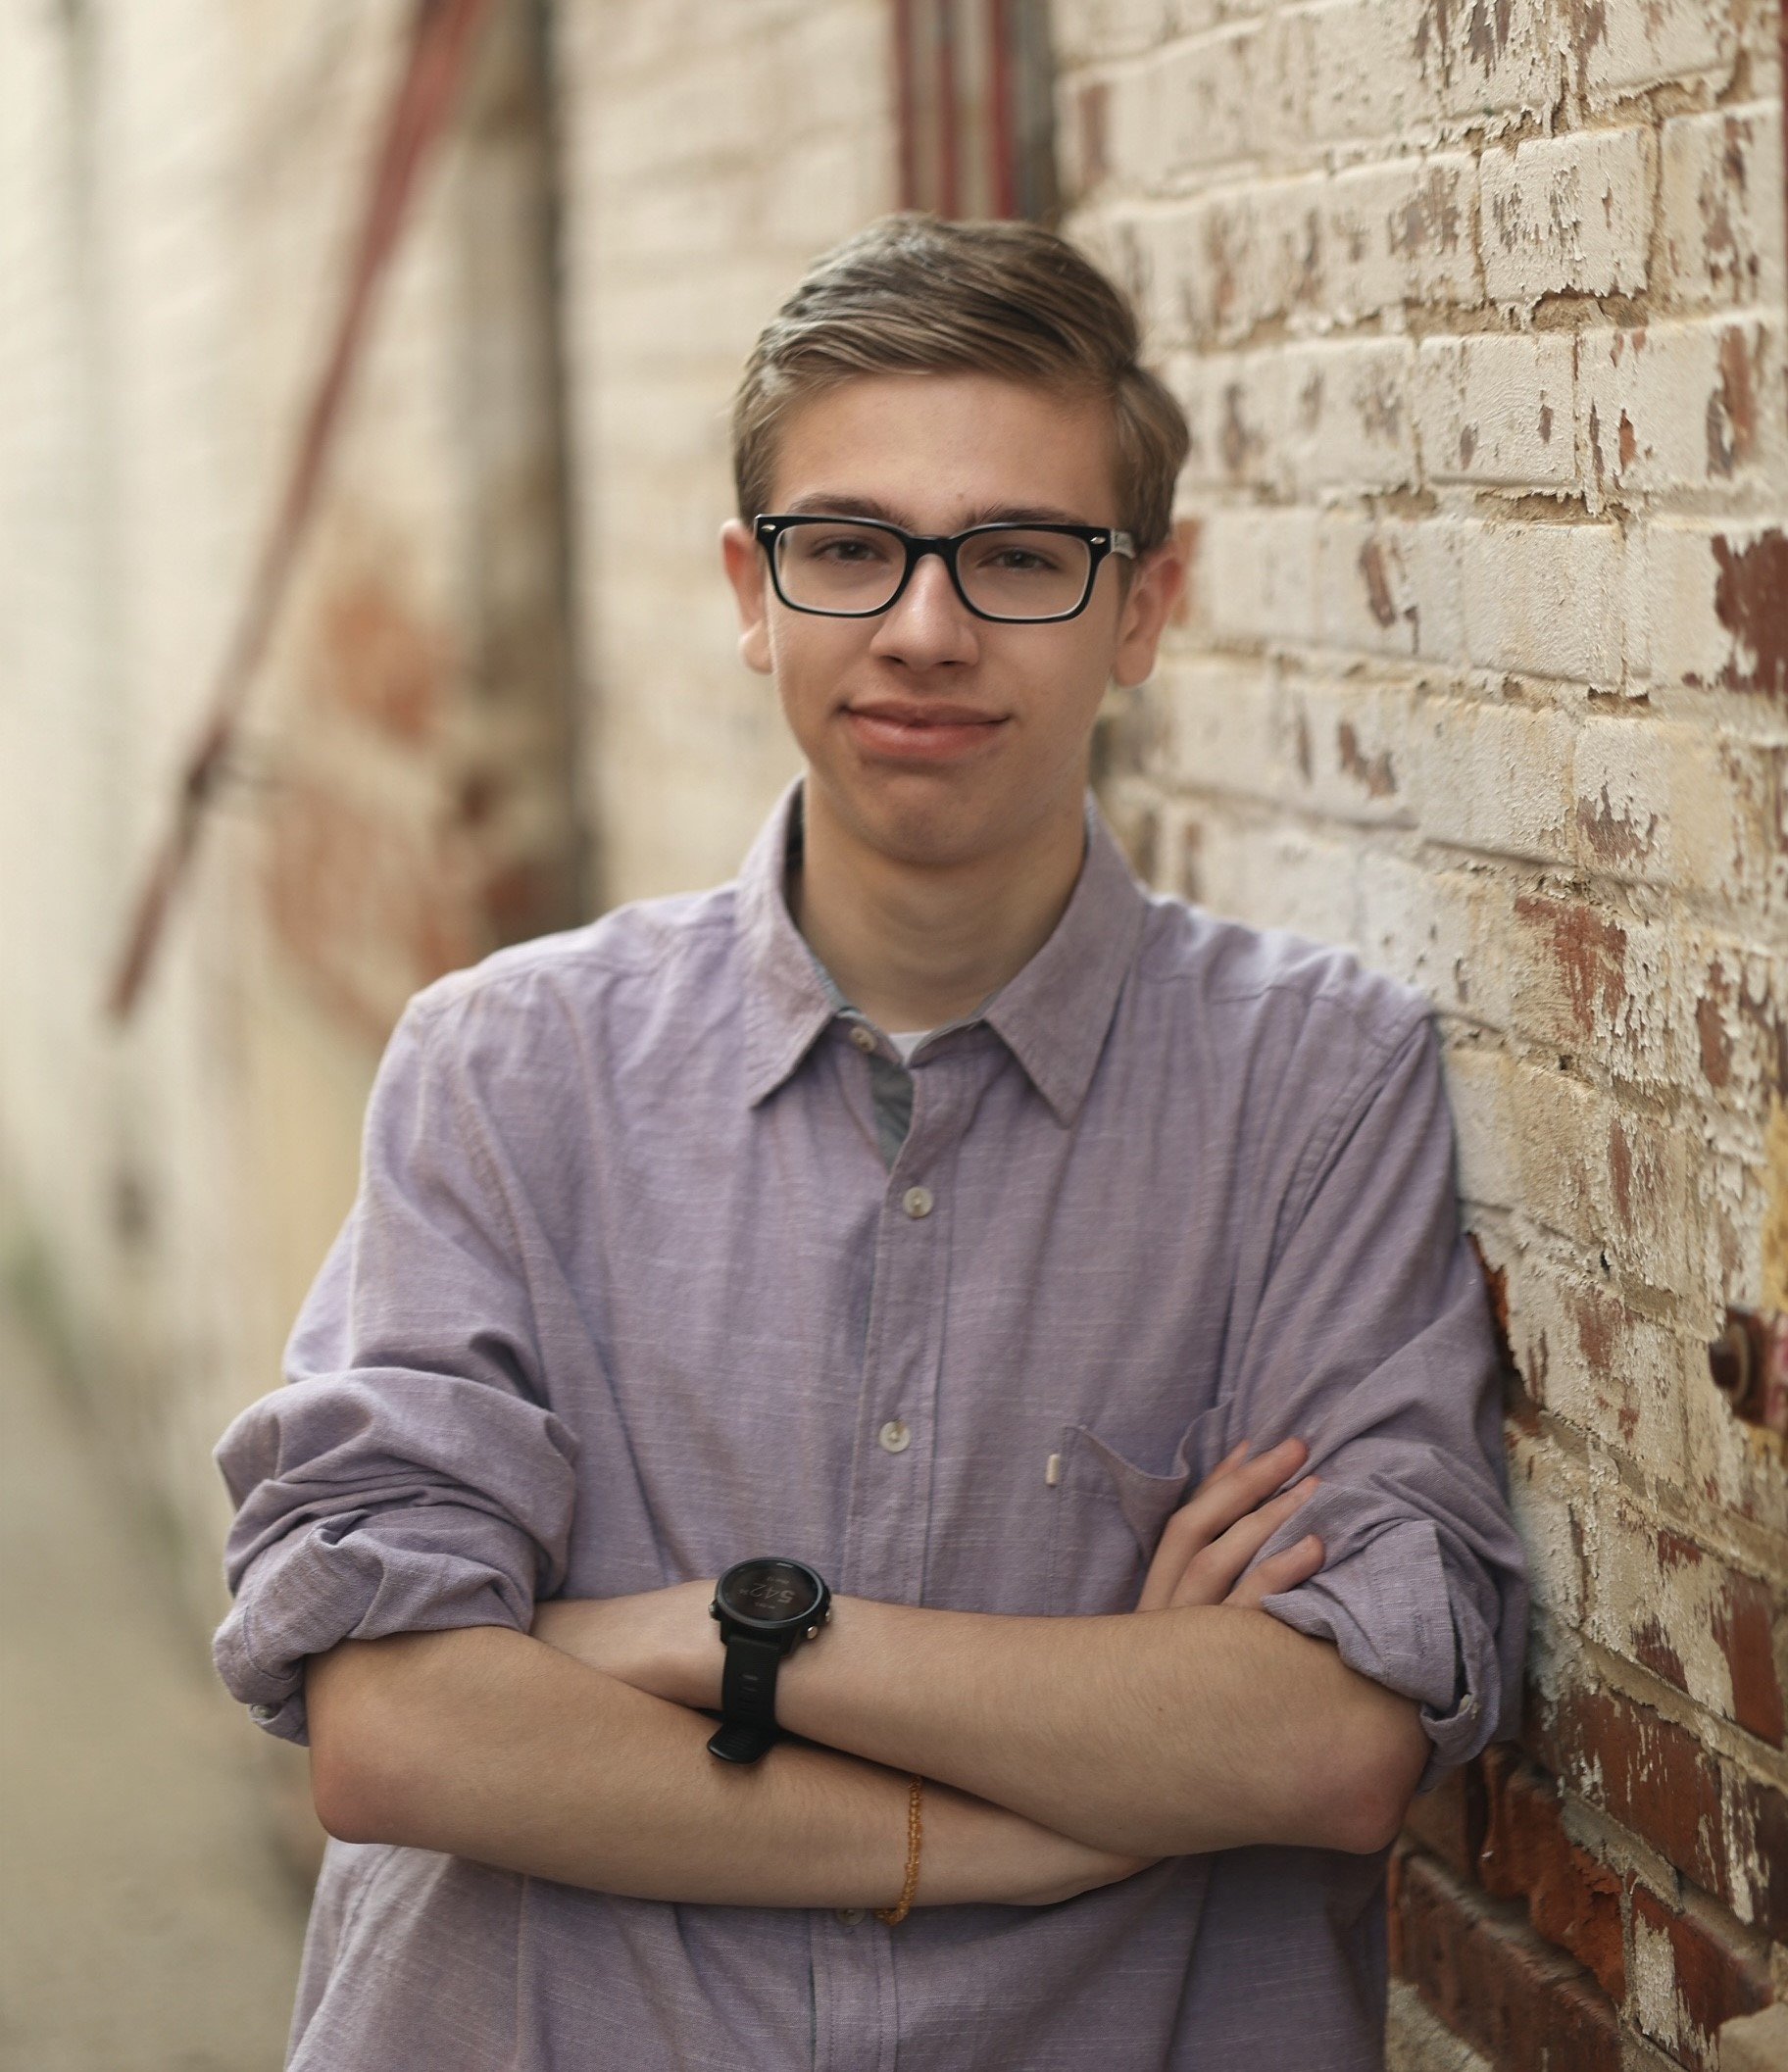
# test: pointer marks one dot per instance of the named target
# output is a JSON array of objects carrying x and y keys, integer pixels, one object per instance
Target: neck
[{"x": 916, "y": 945}]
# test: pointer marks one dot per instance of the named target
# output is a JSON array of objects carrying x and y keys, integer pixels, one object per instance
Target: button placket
[{"x": 887, "y": 1526}]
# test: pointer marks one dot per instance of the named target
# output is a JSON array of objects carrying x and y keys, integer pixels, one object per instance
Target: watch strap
[{"x": 748, "y": 1699}]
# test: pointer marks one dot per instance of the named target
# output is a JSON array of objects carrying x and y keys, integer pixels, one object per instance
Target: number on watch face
[{"x": 773, "y": 1591}]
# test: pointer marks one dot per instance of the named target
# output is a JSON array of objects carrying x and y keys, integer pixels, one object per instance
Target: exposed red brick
[
  {"x": 1731, "y": 420},
  {"x": 1720, "y": 1970},
  {"x": 1571, "y": 1898},
  {"x": 1449, "y": 1821},
  {"x": 1657, "y": 1779},
  {"x": 1616, "y": 837},
  {"x": 1589, "y": 950},
  {"x": 1485, "y": 1973},
  {"x": 1374, "y": 773},
  {"x": 1744, "y": 1625},
  {"x": 1496, "y": 1286},
  {"x": 1710, "y": 1027},
  {"x": 1653, "y": 1648},
  {"x": 1650, "y": 1774},
  {"x": 1760, "y": 1813},
  {"x": 376, "y": 656},
  {"x": 1751, "y": 597},
  {"x": 1377, "y": 583}
]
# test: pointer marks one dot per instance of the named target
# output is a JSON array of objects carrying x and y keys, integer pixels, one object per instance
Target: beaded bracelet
[{"x": 916, "y": 1834}]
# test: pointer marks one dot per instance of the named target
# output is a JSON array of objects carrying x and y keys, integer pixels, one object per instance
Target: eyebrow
[{"x": 826, "y": 504}]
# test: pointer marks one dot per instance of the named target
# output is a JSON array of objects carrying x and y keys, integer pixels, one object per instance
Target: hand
[
  {"x": 1208, "y": 1544},
  {"x": 660, "y": 1641}
]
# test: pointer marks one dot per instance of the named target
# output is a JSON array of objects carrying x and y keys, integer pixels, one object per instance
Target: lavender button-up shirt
[{"x": 631, "y": 1291}]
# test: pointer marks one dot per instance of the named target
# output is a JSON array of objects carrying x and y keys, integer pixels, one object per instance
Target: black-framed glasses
[{"x": 845, "y": 568}]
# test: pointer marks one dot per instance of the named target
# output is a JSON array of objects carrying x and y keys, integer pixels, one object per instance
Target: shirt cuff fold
[
  {"x": 1387, "y": 1603},
  {"x": 361, "y": 1577}
]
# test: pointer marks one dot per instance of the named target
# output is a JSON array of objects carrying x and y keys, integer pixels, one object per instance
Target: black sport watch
[{"x": 766, "y": 1608}]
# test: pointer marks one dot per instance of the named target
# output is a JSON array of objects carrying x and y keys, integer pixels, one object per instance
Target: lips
[{"x": 920, "y": 730}]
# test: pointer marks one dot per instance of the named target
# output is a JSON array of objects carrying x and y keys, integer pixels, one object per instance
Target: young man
[{"x": 927, "y": 1213}]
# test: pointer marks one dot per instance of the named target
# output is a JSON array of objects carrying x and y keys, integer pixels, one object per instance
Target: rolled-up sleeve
[
  {"x": 410, "y": 1475},
  {"x": 1372, "y": 1342}
]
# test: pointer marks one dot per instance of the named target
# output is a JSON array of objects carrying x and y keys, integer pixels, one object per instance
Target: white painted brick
[
  {"x": 1617, "y": 1184},
  {"x": 1350, "y": 749},
  {"x": 1541, "y": 1489},
  {"x": 1221, "y": 725},
  {"x": 1590, "y": 982},
  {"x": 1494, "y": 777},
  {"x": 1625, "y": 50},
  {"x": 1590, "y": 1360},
  {"x": 1721, "y": 206},
  {"x": 1701, "y": 633},
  {"x": 1201, "y": 104},
  {"x": 1567, "y": 215},
  {"x": 1310, "y": 250},
  {"x": 1490, "y": 62},
  {"x": 1278, "y": 877},
  {"x": 1348, "y": 69},
  {"x": 1498, "y": 411},
  {"x": 1669, "y": 804},
  {"x": 1258, "y": 575},
  {"x": 1084, "y": 30},
  {"x": 1368, "y": 585},
  {"x": 1301, "y": 420},
  {"x": 1683, "y": 406},
  {"x": 1216, "y": 267},
  {"x": 1438, "y": 931},
  {"x": 1542, "y": 600},
  {"x": 1345, "y": 415},
  {"x": 1400, "y": 233},
  {"x": 1480, "y": 1091}
]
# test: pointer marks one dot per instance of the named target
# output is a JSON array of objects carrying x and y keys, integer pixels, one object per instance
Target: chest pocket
[{"x": 1109, "y": 1514}]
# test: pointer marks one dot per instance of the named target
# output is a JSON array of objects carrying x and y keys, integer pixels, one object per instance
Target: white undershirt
[{"x": 907, "y": 1043}]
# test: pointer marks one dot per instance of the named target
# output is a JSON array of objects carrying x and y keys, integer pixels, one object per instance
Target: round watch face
[{"x": 771, "y": 1591}]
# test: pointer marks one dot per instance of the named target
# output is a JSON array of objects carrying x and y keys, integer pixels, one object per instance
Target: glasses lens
[
  {"x": 1020, "y": 574},
  {"x": 835, "y": 567}
]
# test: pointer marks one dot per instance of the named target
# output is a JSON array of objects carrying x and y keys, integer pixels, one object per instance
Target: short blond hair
[{"x": 912, "y": 294}]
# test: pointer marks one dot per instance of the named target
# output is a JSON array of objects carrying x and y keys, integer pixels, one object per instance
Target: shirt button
[
  {"x": 850, "y": 1916},
  {"x": 264, "y": 1715},
  {"x": 916, "y": 1202},
  {"x": 865, "y": 1040},
  {"x": 895, "y": 1436}
]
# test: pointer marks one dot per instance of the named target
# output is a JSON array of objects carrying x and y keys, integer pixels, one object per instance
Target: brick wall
[
  {"x": 1478, "y": 314},
  {"x": 711, "y": 152}
]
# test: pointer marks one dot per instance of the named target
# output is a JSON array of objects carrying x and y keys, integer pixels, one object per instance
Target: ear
[
  {"x": 746, "y": 572},
  {"x": 1154, "y": 587}
]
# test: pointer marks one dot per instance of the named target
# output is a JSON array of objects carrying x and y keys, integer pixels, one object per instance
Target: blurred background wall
[{"x": 1477, "y": 308}]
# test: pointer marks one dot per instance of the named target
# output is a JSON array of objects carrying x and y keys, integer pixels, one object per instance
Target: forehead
[{"x": 939, "y": 452}]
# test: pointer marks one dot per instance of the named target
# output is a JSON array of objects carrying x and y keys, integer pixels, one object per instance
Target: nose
[{"x": 928, "y": 626}]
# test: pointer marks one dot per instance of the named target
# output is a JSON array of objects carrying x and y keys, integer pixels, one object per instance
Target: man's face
[{"x": 930, "y": 735}]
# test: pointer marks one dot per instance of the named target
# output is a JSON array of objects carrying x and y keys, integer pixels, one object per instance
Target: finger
[
  {"x": 1281, "y": 1461},
  {"x": 1228, "y": 1495},
  {"x": 1284, "y": 1570},
  {"x": 1215, "y": 1571}
]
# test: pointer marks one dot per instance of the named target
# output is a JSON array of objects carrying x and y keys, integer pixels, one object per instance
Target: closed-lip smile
[{"x": 920, "y": 729}]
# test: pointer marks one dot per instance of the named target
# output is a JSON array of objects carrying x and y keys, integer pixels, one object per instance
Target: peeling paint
[
  {"x": 1751, "y": 601},
  {"x": 1774, "y": 1233}
]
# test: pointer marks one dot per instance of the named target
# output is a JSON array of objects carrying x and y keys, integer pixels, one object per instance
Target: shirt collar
[{"x": 1053, "y": 1015}]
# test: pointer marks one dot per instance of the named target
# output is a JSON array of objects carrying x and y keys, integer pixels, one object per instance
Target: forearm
[
  {"x": 485, "y": 1743},
  {"x": 1162, "y": 1733}
]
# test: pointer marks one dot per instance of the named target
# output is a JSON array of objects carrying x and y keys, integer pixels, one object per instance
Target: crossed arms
[{"x": 1063, "y": 1754}]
